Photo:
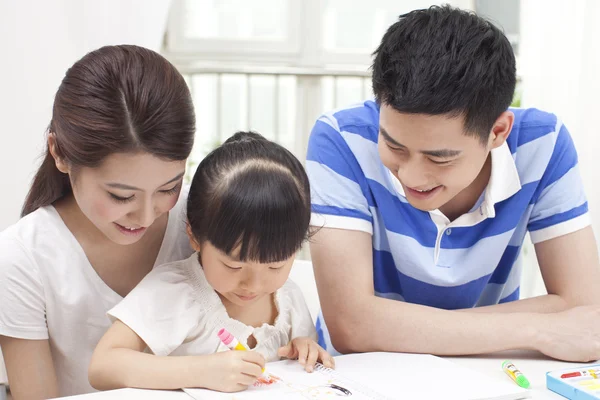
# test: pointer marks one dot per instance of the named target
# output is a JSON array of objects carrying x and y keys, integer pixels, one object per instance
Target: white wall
[
  {"x": 39, "y": 40},
  {"x": 560, "y": 61}
]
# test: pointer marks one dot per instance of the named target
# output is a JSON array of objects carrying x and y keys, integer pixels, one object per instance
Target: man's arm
[
  {"x": 358, "y": 321},
  {"x": 571, "y": 271}
]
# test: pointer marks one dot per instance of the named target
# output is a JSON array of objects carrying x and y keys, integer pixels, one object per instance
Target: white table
[{"x": 533, "y": 365}]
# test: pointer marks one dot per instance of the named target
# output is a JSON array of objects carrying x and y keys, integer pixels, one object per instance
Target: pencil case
[{"x": 582, "y": 384}]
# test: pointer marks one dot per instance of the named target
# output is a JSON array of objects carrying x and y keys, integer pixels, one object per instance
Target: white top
[
  {"x": 49, "y": 289},
  {"x": 176, "y": 312}
]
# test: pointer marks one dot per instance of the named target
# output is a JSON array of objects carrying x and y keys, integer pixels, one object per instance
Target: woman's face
[{"x": 128, "y": 192}]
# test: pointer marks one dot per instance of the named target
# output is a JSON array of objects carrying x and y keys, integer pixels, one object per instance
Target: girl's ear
[{"x": 193, "y": 242}]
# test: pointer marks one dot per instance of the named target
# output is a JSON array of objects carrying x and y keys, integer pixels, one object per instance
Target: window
[
  {"x": 234, "y": 29},
  {"x": 275, "y": 65}
]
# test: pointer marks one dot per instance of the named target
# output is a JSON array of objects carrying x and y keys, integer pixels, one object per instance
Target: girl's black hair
[{"x": 253, "y": 194}]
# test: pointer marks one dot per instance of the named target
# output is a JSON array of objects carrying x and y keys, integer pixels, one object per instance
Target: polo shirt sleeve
[
  {"x": 339, "y": 190},
  {"x": 560, "y": 205}
]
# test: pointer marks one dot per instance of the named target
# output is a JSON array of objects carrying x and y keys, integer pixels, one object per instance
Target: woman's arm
[{"x": 30, "y": 369}]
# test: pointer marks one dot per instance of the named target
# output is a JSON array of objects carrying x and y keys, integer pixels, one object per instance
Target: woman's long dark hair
[{"x": 116, "y": 99}]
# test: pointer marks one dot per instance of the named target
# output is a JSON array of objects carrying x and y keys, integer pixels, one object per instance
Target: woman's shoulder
[
  {"x": 40, "y": 231},
  {"x": 31, "y": 254}
]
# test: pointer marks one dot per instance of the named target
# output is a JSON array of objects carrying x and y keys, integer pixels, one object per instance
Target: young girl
[
  {"x": 102, "y": 211},
  {"x": 248, "y": 211}
]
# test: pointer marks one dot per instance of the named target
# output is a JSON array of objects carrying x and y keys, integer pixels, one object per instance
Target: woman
[{"x": 102, "y": 210}]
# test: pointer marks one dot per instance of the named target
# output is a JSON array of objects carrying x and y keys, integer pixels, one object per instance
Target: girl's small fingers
[
  {"x": 247, "y": 380},
  {"x": 302, "y": 349},
  {"x": 326, "y": 359},
  {"x": 313, "y": 355},
  {"x": 285, "y": 351}
]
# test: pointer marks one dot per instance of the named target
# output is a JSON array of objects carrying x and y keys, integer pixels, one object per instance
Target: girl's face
[
  {"x": 127, "y": 193},
  {"x": 242, "y": 283}
]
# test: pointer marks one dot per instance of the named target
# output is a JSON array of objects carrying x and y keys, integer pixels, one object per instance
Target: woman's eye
[
  {"x": 120, "y": 199},
  {"x": 173, "y": 190}
]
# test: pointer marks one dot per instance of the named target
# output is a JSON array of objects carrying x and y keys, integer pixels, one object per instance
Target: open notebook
[{"x": 378, "y": 376}]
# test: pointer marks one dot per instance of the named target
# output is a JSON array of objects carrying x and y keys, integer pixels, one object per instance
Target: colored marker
[
  {"x": 590, "y": 372},
  {"x": 515, "y": 374},
  {"x": 231, "y": 342}
]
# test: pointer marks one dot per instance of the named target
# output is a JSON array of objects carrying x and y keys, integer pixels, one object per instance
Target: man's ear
[
  {"x": 501, "y": 129},
  {"x": 195, "y": 245},
  {"x": 59, "y": 160}
]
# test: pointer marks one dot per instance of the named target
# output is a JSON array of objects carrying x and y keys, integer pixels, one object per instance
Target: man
[{"x": 423, "y": 199}]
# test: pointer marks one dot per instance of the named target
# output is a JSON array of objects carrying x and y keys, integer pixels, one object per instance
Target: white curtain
[
  {"x": 560, "y": 64},
  {"x": 40, "y": 39}
]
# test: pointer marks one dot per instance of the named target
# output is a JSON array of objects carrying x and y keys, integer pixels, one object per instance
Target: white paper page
[
  {"x": 418, "y": 376},
  {"x": 378, "y": 376},
  {"x": 296, "y": 383}
]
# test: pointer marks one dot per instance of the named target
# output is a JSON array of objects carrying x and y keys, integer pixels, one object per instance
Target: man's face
[{"x": 430, "y": 155}]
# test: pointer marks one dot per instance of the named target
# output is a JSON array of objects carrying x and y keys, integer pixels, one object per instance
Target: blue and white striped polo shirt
[{"x": 423, "y": 258}]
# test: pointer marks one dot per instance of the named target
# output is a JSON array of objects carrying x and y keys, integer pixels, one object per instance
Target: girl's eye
[
  {"x": 392, "y": 147},
  {"x": 173, "y": 190},
  {"x": 233, "y": 268},
  {"x": 120, "y": 199}
]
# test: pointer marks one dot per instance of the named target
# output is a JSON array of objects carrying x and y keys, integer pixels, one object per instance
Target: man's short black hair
[{"x": 443, "y": 60}]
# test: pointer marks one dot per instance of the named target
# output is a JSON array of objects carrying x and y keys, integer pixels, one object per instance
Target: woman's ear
[
  {"x": 59, "y": 160},
  {"x": 193, "y": 242}
]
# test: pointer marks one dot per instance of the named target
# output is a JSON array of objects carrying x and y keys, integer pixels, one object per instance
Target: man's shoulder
[
  {"x": 361, "y": 119},
  {"x": 541, "y": 146},
  {"x": 530, "y": 125}
]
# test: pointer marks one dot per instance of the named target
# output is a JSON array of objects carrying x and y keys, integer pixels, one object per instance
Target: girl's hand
[
  {"x": 233, "y": 371},
  {"x": 308, "y": 352}
]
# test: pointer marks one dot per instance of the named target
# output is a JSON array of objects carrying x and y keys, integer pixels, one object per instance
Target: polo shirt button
[{"x": 448, "y": 231}]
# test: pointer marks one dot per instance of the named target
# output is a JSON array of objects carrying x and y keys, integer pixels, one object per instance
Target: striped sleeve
[
  {"x": 561, "y": 206},
  {"x": 339, "y": 190}
]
